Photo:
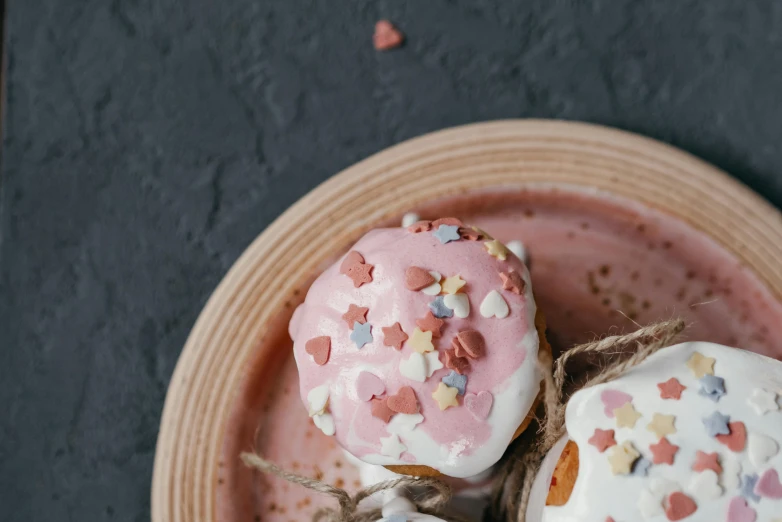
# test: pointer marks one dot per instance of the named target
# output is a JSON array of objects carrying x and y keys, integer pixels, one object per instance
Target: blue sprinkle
[
  {"x": 641, "y": 467},
  {"x": 447, "y": 233},
  {"x": 362, "y": 334},
  {"x": 712, "y": 387},
  {"x": 748, "y": 487},
  {"x": 716, "y": 424},
  {"x": 438, "y": 307},
  {"x": 454, "y": 380}
]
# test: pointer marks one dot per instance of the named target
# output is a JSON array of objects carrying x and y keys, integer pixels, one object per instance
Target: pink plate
[{"x": 608, "y": 251}]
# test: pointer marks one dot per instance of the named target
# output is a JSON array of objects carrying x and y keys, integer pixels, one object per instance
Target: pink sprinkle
[{"x": 613, "y": 399}]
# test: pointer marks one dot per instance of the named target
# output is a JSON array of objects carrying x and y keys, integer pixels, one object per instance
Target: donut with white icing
[
  {"x": 693, "y": 433},
  {"x": 418, "y": 349}
]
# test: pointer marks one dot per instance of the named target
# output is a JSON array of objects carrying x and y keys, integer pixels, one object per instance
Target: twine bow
[
  {"x": 433, "y": 502},
  {"x": 510, "y": 496}
]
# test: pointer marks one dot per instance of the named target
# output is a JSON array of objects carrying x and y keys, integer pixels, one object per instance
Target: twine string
[
  {"x": 512, "y": 491},
  {"x": 513, "y": 483},
  {"x": 433, "y": 502}
]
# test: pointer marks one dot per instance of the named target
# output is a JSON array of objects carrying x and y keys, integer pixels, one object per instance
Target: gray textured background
[{"x": 147, "y": 142}]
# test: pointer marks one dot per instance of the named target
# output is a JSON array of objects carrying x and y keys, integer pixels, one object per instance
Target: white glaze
[{"x": 598, "y": 493}]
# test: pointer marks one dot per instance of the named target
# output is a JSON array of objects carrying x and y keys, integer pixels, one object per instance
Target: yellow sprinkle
[
  {"x": 445, "y": 396},
  {"x": 626, "y": 416},
  {"x": 453, "y": 284},
  {"x": 700, "y": 365},
  {"x": 421, "y": 341}
]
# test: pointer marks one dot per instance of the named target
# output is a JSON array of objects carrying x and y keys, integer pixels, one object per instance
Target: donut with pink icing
[
  {"x": 693, "y": 433},
  {"x": 418, "y": 349}
]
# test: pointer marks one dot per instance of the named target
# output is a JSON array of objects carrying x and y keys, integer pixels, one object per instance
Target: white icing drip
[{"x": 598, "y": 493}]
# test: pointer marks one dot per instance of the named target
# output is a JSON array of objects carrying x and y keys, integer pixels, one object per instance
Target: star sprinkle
[
  {"x": 453, "y": 284},
  {"x": 763, "y": 401},
  {"x": 700, "y": 365},
  {"x": 626, "y": 416},
  {"x": 432, "y": 363},
  {"x": 445, "y": 396},
  {"x": 439, "y": 309},
  {"x": 360, "y": 274},
  {"x": 455, "y": 380},
  {"x": 452, "y": 221},
  {"x": 705, "y": 486},
  {"x": 454, "y": 362},
  {"x": 362, "y": 334},
  {"x": 430, "y": 323},
  {"x": 421, "y": 341},
  {"x": 404, "y": 422},
  {"x": 355, "y": 314},
  {"x": 641, "y": 467},
  {"x": 671, "y": 389},
  {"x": 705, "y": 461},
  {"x": 622, "y": 458},
  {"x": 394, "y": 336},
  {"x": 496, "y": 249},
  {"x": 602, "y": 439},
  {"x": 512, "y": 282},
  {"x": 748, "y": 483},
  {"x": 663, "y": 452},
  {"x": 716, "y": 424},
  {"x": 447, "y": 233},
  {"x": 391, "y": 446},
  {"x": 351, "y": 259},
  {"x": 712, "y": 387},
  {"x": 662, "y": 425},
  {"x": 381, "y": 410},
  {"x": 731, "y": 473}
]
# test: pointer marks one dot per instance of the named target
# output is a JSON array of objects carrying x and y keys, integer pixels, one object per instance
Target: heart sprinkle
[
  {"x": 404, "y": 401},
  {"x": 679, "y": 506},
  {"x": 479, "y": 405},
  {"x": 737, "y": 438},
  {"x": 381, "y": 410},
  {"x": 319, "y": 348},
  {"x": 454, "y": 362},
  {"x": 417, "y": 278},
  {"x": 768, "y": 485},
  {"x": 494, "y": 305},
  {"x": 369, "y": 385},
  {"x": 386, "y": 36},
  {"x": 469, "y": 343},
  {"x": 740, "y": 511}
]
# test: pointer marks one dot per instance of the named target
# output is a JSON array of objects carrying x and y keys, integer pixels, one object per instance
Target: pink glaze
[
  {"x": 592, "y": 256},
  {"x": 457, "y": 433}
]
